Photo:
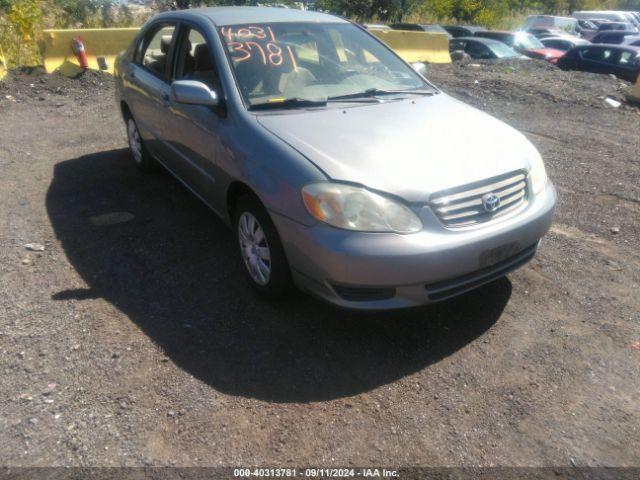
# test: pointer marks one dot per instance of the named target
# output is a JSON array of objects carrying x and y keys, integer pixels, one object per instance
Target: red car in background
[{"x": 524, "y": 43}]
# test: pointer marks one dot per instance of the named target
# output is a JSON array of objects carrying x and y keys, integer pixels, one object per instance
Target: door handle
[{"x": 165, "y": 100}]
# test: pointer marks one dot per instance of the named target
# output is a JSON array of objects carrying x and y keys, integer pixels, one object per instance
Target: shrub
[{"x": 20, "y": 26}]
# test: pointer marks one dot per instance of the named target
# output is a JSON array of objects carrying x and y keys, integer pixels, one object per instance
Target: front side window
[
  {"x": 278, "y": 61},
  {"x": 154, "y": 49},
  {"x": 195, "y": 60}
]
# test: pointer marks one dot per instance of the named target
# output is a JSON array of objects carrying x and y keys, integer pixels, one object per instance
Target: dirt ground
[{"x": 132, "y": 338}]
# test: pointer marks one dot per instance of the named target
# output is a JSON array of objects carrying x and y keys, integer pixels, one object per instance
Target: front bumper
[{"x": 386, "y": 270}]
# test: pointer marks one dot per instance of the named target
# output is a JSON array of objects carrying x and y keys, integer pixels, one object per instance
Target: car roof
[
  {"x": 615, "y": 46},
  {"x": 486, "y": 41},
  {"x": 499, "y": 32},
  {"x": 246, "y": 15},
  {"x": 617, "y": 32},
  {"x": 567, "y": 38}
]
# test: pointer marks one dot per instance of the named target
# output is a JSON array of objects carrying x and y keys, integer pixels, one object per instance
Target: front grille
[
  {"x": 463, "y": 206},
  {"x": 364, "y": 294},
  {"x": 455, "y": 286}
]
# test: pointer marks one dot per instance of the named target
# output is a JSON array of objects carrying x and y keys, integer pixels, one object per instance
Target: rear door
[{"x": 149, "y": 86}]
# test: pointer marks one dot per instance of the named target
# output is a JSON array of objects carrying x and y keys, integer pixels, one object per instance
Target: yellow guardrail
[
  {"x": 3, "y": 65},
  {"x": 102, "y": 45},
  {"x": 416, "y": 46},
  {"x": 634, "y": 93}
]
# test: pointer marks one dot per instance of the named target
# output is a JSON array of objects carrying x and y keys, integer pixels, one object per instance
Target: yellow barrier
[
  {"x": 3, "y": 67},
  {"x": 102, "y": 45},
  {"x": 416, "y": 46},
  {"x": 634, "y": 93}
]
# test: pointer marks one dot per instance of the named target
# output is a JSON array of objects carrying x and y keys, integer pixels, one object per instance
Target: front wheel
[
  {"x": 140, "y": 155},
  {"x": 265, "y": 264}
]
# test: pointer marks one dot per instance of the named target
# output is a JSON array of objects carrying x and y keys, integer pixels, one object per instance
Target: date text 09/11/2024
[{"x": 316, "y": 472}]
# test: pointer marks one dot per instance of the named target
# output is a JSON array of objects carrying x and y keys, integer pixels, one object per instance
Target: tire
[
  {"x": 141, "y": 156},
  {"x": 263, "y": 259}
]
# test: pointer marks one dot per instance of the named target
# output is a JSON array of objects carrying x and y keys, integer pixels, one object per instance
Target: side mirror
[
  {"x": 192, "y": 92},
  {"x": 420, "y": 67}
]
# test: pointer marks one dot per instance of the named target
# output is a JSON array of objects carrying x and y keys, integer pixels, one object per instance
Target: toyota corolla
[{"x": 340, "y": 168}]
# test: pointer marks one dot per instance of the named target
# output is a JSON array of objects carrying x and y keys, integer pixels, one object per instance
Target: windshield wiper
[
  {"x": 375, "y": 92},
  {"x": 293, "y": 102}
]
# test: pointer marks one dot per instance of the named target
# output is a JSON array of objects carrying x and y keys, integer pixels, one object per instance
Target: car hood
[
  {"x": 547, "y": 52},
  {"x": 409, "y": 148}
]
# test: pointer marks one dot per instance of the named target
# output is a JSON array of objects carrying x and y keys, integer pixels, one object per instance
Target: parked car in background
[
  {"x": 483, "y": 48},
  {"x": 463, "y": 30},
  {"x": 540, "y": 33},
  {"x": 342, "y": 172},
  {"x": 625, "y": 26},
  {"x": 524, "y": 43},
  {"x": 614, "y": 38},
  {"x": 564, "y": 43},
  {"x": 566, "y": 24},
  {"x": 609, "y": 15},
  {"x": 622, "y": 61},
  {"x": 632, "y": 41},
  {"x": 589, "y": 28},
  {"x": 415, "y": 27}
]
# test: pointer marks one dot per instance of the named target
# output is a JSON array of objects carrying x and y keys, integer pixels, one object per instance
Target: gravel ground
[{"x": 128, "y": 336}]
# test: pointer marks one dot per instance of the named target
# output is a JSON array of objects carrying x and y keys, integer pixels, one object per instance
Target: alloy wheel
[
  {"x": 254, "y": 248},
  {"x": 135, "y": 142}
]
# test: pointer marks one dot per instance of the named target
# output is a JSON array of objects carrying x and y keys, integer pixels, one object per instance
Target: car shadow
[{"x": 149, "y": 247}]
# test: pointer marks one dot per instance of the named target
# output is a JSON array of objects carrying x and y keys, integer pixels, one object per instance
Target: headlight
[
  {"x": 354, "y": 208},
  {"x": 537, "y": 174}
]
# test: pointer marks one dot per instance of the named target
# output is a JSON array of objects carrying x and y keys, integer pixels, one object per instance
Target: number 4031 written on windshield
[{"x": 248, "y": 42}]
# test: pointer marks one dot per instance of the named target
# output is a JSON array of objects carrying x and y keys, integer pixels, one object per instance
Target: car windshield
[
  {"x": 278, "y": 62},
  {"x": 527, "y": 41},
  {"x": 503, "y": 51}
]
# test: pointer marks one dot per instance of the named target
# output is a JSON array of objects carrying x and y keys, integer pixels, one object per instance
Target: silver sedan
[{"x": 340, "y": 168}]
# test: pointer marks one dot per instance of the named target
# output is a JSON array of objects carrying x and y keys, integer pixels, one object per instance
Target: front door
[{"x": 196, "y": 130}]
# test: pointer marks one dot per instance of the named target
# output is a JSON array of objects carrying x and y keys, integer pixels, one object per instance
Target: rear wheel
[
  {"x": 265, "y": 264},
  {"x": 140, "y": 155}
]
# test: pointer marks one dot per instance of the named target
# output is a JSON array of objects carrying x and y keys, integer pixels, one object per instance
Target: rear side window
[{"x": 153, "y": 51}]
